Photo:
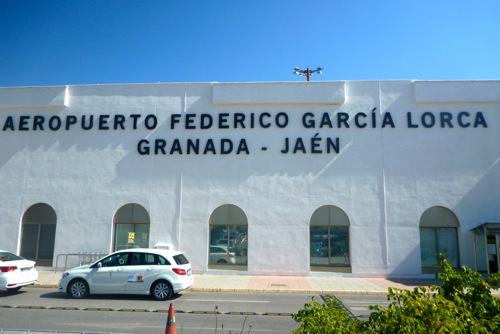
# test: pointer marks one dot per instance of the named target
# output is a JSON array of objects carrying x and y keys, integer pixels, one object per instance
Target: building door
[
  {"x": 39, "y": 234},
  {"x": 438, "y": 235},
  {"x": 329, "y": 240},
  {"x": 492, "y": 249},
  {"x": 131, "y": 225}
]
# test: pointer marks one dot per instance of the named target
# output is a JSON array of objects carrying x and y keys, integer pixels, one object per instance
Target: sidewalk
[{"x": 280, "y": 284}]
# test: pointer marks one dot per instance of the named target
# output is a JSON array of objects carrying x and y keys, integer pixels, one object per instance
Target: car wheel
[
  {"x": 14, "y": 289},
  {"x": 78, "y": 288},
  {"x": 161, "y": 290},
  {"x": 222, "y": 261}
]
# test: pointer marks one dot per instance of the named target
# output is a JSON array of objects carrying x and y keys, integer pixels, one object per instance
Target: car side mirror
[{"x": 99, "y": 264}]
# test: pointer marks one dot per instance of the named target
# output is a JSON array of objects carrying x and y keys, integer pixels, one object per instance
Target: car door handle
[
  {"x": 151, "y": 268},
  {"x": 120, "y": 269}
]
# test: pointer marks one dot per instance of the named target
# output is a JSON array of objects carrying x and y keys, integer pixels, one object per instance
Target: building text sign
[{"x": 317, "y": 143}]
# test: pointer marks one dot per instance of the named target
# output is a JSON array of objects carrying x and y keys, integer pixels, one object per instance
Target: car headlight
[{"x": 65, "y": 274}]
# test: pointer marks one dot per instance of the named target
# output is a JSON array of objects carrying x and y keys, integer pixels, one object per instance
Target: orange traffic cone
[{"x": 170, "y": 329}]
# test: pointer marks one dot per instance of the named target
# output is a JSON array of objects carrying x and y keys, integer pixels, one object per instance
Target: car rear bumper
[
  {"x": 180, "y": 286},
  {"x": 11, "y": 285},
  {"x": 17, "y": 280}
]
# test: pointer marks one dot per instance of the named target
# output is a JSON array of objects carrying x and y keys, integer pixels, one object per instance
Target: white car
[
  {"x": 156, "y": 272},
  {"x": 16, "y": 272},
  {"x": 221, "y": 255}
]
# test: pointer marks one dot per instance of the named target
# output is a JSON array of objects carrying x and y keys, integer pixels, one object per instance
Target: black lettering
[
  {"x": 308, "y": 120},
  {"x": 357, "y": 122},
  {"x": 150, "y": 122},
  {"x": 193, "y": 145},
  {"x": 342, "y": 118},
  {"x": 330, "y": 144},
  {"x": 315, "y": 144},
  {"x": 226, "y": 146},
  {"x": 480, "y": 120},
  {"x": 410, "y": 123},
  {"x": 206, "y": 121},
  {"x": 176, "y": 147},
  {"x": 190, "y": 121},
  {"x": 210, "y": 147},
  {"x": 9, "y": 124},
  {"x": 70, "y": 120},
  {"x": 119, "y": 122},
  {"x": 326, "y": 121},
  {"x": 103, "y": 122},
  {"x": 243, "y": 147},
  {"x": 261, "y": 120},
  {"x": 55, "y": 123},
  {"x": 23, "y": 123},
  {"x": 135, "y": 120},
  {"x": 299, "y": 146},
  {"x": 91, "y": 123},
  {"x": 281, "y": 120},
  {"x": 388, "y": 120},
  {"x": 38, "y": 123},
  {"x": 223, "y": 121},
  {"x": 143, "y": 147},
  {"x": 160, "y": 145},
  {"x": 374, "y": 118},
  {"x": 174, "y": 119},
  {"x": 428, "y": 120},
  {"x": 445, "y": 118},
  {"x": 286, "y": 148},
  {"x": 239, "y": 119},
  {"x": 461, "y": 122}
]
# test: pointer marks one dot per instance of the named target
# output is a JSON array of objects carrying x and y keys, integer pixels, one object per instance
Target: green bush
[
  {"x": 326, "y": 317},
  {"x": 462, "y": 304}
]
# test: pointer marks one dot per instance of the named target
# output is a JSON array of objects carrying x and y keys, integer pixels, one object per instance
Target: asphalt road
[{"x": 195, "y": 312}]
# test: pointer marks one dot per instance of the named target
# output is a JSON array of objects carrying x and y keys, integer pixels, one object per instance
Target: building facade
[{"x": 356, "y": 178}]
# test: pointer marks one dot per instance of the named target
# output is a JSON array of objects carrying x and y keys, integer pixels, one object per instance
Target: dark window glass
[
  {"x": 329, "y": 246},
  {"x": 120, "y": 259},
  {"x": 181, "y": 259}
]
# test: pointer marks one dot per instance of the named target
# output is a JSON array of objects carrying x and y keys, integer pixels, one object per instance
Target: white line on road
[{"x": 227, "y": 301}]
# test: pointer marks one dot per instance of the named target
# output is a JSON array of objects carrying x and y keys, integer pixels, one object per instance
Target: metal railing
[{"x": 80, "y": 258}]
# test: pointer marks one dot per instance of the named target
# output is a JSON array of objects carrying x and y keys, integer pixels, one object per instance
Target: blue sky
[{"x": 67, "y": 42}]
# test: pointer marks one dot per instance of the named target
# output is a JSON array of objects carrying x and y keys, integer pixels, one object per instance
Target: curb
[
  {"x": 283, "y": 291},
  {"x": 246, "y": 290}
]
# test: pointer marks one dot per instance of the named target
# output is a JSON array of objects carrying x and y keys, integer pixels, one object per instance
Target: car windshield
[
  {"x": 7, "y": 256},
  {"x": 181, "y": 259}
]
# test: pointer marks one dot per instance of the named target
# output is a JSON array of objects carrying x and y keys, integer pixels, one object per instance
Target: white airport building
[{"x": 351, "y": 178}]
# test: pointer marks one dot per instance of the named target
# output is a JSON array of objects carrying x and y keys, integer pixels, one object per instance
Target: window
[
  {"x": 329, "y": 240},
  {"x": 228, "y": 247},
  {"x": 144, "y": 259},
  {"x": 180, "y": 259},
  {"x": 131, "y": 223},
  {"x": 438, "y": 234},
  {"x": 39, "y": 234},
  {"x": 115, "y": 260}
]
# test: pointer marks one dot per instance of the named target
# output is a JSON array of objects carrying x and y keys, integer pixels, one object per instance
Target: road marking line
[{"x": 227, "y": 301}]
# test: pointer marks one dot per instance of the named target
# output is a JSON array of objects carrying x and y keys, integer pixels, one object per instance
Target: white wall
[{"x": 383, "y": 178}]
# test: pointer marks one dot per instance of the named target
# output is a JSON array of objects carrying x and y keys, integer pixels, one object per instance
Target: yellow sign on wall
[{"x": 131, "y": 237}]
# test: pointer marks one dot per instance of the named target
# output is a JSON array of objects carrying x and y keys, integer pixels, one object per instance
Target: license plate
[
  {"x": 189, "y": 272},
  {"x": 26, "y": 269}
]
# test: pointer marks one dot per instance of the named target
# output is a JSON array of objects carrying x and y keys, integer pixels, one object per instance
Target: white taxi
[{"x": 156, "y": 272}]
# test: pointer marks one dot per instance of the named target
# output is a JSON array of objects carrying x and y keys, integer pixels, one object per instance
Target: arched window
[
  {"x": 228, "y": 247},
  {"x": 131, "y": 224},
  {"x": 438, "y": 234},
  {"x": 39, "y": 234},
  {"x": 329, "y": 240}
]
